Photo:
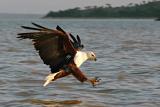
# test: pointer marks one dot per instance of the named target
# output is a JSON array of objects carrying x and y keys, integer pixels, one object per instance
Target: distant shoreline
[
  {"x": 99, "y": 18},
  {"x": 147, "y": 10}
]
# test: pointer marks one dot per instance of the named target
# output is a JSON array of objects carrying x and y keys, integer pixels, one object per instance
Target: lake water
[{"x": 128, "y": 53}]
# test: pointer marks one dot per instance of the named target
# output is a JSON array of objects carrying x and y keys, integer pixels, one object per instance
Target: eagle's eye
[{"x": 92, "y": 55}]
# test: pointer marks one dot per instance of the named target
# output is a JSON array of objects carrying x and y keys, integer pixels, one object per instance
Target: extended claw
[{"x": 94, "y": 81}]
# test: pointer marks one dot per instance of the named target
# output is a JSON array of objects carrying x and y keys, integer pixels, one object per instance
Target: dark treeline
[{"x": 143, "y": 10}]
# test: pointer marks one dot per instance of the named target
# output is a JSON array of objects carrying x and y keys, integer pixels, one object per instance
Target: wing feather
[
  {"x": 42, "y": 27},
  {"x": 52, "y": 45},
  {"x": 30, "y": 28},
  {"x": 75, "y": 42}
]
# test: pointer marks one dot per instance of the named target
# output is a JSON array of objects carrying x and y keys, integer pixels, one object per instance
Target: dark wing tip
[
  {"x": 30, "y": 28},
  {"x": 20, "y": 36},
  {"x": 79, "y": 40},
  {"x": 82, "y": 46},
  {"x": 39, "y": 26},
  {"x": 60, "y": 29},
  {"x": 73, "y": 38}
]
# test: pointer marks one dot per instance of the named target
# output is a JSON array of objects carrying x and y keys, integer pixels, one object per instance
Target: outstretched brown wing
[{"x": 52, "y": 45}]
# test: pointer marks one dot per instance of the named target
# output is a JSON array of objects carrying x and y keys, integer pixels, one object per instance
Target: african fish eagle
[{"x": 61, "y": 51}]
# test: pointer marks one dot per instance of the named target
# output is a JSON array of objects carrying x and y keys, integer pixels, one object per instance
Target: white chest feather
[{"x": 80, "y": 58}]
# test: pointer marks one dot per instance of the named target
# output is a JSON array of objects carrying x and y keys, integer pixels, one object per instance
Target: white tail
[{"x": 49, "y": 78}]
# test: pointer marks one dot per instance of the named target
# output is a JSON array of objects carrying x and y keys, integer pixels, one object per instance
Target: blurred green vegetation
[{"x": 143, "y": 10}]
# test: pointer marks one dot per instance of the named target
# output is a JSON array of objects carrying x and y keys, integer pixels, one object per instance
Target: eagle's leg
[{"x": 81, "y": 77}]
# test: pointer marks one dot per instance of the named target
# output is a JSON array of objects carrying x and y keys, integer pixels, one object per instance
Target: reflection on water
[
  {"x": 29, "y": 62},
  {"x": 128, "y": 64},
  {"x": 49, "y": 103}
]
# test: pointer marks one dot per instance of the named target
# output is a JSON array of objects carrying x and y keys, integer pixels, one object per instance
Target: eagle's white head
[
  {"x": 91, "y": 56},
  {"x": 81, "y": 57}
]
